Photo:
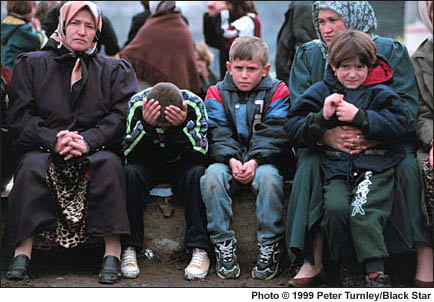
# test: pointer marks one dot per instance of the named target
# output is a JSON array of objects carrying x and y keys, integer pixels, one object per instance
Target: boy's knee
[
  {"x": 196, "y": 171},
  {"x": 268, "y": 173},
  {"x": 213, "y": 176}
]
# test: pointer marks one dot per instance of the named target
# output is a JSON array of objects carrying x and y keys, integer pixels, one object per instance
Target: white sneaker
[
  {"x": 198, "y": 266},
  {"x": 129, "y": 267}
]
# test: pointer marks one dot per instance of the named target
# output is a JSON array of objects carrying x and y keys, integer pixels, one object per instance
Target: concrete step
[{"x": 164, "y": 235}]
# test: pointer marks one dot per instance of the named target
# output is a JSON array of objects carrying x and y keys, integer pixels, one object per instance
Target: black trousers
[{"x": 185, "y": 181}]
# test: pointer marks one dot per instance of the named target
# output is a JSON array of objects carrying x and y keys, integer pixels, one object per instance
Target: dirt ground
[{"x": 79, "y": 268}]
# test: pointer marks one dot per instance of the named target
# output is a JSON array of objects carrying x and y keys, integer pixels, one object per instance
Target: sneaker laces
[
  {"x": 226, "y": 250},
  {"x": 265, "y": 253},
  {"x": 197, "y": 258},
  {"x": 129, "y": 257}
]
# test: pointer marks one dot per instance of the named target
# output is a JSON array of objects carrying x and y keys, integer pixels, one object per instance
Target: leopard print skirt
[
  {"x": 68, "y": 182},
  {"x": 428, "y": 188}
]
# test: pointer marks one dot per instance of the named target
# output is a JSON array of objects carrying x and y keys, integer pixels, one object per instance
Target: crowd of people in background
[{"x": 348, "y": 118}]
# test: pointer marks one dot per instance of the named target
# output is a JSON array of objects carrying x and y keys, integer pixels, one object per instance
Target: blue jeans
[{"x": 267, "y": 185}]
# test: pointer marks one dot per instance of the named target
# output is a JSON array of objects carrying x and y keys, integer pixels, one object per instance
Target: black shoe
[
  {"x": 18, "y": 268},
  {"x": 267, "y": 266},
  {"x": 110, "y": 270},
  {"x": 227, "y": 264},
  {"x": 381, "y": 280}
]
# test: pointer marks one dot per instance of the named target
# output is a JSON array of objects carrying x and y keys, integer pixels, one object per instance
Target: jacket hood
[
  {"x": 9, "y": 25},
  {"x": 357, "y": 15},
  {"x": 229, "y": 84},
  {"x": 381, "y": 73}
]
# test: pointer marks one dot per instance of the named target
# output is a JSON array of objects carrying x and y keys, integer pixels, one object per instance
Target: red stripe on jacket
[
  {"x": 281, "y": 92},
  {"x": 214, "y": 93}
]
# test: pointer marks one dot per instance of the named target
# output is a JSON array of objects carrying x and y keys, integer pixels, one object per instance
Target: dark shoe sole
[
  {"x": 274, "y": 274},
  {"x": 230, "y": 276}
]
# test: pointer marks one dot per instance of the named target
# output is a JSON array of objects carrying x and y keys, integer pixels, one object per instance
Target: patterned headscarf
[
  {"x": 425, "y": 8},
  {"x": 58, "y": 42},
  {"x": 357, "y": 15}
]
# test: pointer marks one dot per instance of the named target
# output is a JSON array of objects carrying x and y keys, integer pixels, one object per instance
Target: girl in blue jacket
[{"x": 358, "y": 187}]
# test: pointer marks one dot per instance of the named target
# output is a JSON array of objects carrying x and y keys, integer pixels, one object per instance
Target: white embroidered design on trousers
[{"x": 361, "y": 195}]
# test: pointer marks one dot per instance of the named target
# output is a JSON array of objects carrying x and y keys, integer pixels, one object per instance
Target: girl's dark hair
[
  {"x": 241, "y": 8},
  {"x": 352, "y": 44}
]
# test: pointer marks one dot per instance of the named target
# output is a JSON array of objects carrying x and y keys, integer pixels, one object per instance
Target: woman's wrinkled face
[
  {"x": 81, "y": 31},
  {"x": 330, "y": 23}
]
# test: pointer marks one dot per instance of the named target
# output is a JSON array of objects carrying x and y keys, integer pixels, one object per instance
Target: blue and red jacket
[{"x": 248, "y": 125}]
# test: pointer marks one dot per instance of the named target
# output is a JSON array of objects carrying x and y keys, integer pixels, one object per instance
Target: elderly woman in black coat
[{"x": 67, "y": 118}]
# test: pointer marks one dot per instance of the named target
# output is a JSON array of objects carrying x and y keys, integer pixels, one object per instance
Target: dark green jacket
[{"x": 18, "y": 36}]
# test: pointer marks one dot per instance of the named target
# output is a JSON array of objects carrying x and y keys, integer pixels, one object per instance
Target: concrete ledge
[{"x": 166, "y": 235}]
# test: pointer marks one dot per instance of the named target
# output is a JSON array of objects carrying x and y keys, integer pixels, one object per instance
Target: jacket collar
[
  {"x": 378, "y": 74},
  {"x": 228, "y": 83}
]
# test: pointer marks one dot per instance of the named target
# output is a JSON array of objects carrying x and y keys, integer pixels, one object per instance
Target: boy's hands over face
[
  {"x": 330, "y": 105},
  {"x": 175, "y": 115},
  {"x": 151, "y": 111}
]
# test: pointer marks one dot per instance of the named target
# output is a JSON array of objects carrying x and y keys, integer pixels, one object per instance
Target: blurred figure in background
[
  {"x": 296, "y": 29},
  {"x": 42, "y": 9},
  {"x": 163, "y": 49},
  {"x": 204, "y": 59},
  {"x": 227, "y": 20},
  {"x": 107, "y": 37},
  {"x": 137, "y": 21},
  {"x": 423, "y": 70},
  {"x": 20, "y": 31}
]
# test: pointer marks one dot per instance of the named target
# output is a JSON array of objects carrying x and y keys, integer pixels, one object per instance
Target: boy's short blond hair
[{"x": 248, "y": 48}]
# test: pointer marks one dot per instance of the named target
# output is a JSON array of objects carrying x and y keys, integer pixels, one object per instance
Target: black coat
[{"x": 39, "y": 108}]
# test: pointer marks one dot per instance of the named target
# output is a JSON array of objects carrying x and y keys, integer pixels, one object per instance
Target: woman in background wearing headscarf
[
  {"x": 163, "y": 49},
  {"x": 423, "y": 70},
  {"x": 405, "y": 229},
  {"x": 66, "y": 116}
]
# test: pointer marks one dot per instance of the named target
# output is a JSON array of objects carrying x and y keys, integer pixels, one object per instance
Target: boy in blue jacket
[
  {"x": 247, "y": 145},
  {"x": 358, "y": 187}
]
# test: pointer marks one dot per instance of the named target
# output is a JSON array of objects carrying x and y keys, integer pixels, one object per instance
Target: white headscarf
[
  {"x": 157, "y": 6},
  {"x": 424, "y": 10}
]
